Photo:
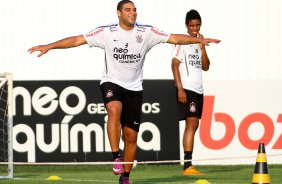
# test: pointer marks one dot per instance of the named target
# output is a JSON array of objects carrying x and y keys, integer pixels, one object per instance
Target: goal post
[{"x": 6, "y": 125}]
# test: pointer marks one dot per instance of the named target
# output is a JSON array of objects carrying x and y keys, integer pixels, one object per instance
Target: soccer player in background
[
  {"x": 188, "y": 62},
  {"x": 126, "y": 44}
]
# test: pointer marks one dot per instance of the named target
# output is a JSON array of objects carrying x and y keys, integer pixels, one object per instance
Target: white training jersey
[
  {"x": 125, "y": 51},
  {"x": 190, "y": 68}
]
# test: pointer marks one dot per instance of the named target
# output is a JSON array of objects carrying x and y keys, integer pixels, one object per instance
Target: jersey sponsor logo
[
  {"x": 122, "y": 55},
  {"x": 194, "y": 60},
  {"x": 95, "y": 32},
  {"x": 158, "y": 32},
  {"x": 193, "y": 56}
]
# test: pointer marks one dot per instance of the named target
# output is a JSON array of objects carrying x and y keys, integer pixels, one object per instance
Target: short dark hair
[
  {"x": 121, "y": 3},
  {"x": 192, "y": 14}
]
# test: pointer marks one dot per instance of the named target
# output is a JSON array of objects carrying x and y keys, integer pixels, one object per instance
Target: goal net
[{"x": 6, "y": 125}]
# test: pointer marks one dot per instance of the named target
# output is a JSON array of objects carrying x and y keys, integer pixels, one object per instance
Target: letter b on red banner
[{"x": 206, "y": 123}]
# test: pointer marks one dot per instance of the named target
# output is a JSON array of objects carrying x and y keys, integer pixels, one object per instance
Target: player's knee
[
  {"x": 130, "y": 137},
  {"x": 193, "y": 125}
]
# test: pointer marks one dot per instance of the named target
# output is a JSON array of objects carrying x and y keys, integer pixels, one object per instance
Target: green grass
[{"x": 142, "y": 174}]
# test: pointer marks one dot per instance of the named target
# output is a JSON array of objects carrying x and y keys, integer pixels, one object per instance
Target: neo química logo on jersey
[{"x": 122, "y": 56}]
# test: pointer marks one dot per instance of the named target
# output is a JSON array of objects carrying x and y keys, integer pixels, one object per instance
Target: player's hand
[
  {"x": 182, "y": 96},
  {"x": 199, "y": 35},
  {"x": 206, "y": 41},
  {"x": 42, "y": 48}
]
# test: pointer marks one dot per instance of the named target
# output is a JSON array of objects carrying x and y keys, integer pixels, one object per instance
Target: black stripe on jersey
[
  {"x": 106, "y": 63},
  {"x": 186, "y": 66}
]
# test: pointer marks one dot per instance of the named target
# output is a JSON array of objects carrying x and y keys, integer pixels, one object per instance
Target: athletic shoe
[
  {"x": 191, "y": 171},
  {"x": 118, "y": 168},
  {"x": 124, "y": 180}
]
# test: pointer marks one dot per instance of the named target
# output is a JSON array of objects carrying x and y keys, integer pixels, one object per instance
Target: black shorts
[
  {"x": 193, "y": 107},
  {"x": 131, "y": 103}
]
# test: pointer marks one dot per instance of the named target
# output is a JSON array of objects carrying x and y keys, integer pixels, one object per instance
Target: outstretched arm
[
  {"x": 181, "y": 39},
  {"x": 69, "y": 42}
]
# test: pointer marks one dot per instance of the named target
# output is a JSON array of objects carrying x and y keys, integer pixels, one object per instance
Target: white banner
[{"x": 238, "y": 115}]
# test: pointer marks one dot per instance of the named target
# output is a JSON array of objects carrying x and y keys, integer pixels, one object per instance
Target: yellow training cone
[
  {"x": 261, "y": 175},
  {"x": 54, "y": 178},
  {"x": 202, "y": 181}
]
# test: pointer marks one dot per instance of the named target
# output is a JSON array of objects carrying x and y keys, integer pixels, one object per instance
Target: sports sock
[
  {"x": 115, "y": 155},
  {"x": 126, "y": 174},
  {"x": 187, "y": 156}
]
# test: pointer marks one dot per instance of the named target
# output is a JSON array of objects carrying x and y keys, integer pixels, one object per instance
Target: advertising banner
[
  {"x": 237, "y": 116},
  {"x": 65, "y": 121}
]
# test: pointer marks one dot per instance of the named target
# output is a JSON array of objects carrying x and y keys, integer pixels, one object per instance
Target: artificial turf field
[{"x": 142, "y": 174}]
